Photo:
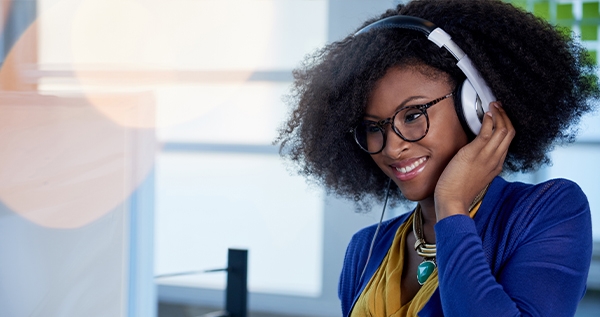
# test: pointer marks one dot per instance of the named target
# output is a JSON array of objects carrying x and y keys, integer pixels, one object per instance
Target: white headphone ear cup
[
  {"x": 472, "y": 110},
  {"x": 458, "y": 107}
]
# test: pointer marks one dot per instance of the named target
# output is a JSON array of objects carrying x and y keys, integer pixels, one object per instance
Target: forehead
[{"x": 408, "y": 83}]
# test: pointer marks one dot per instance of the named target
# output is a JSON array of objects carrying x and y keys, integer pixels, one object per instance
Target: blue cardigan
[{"x": 527, "y": 252}]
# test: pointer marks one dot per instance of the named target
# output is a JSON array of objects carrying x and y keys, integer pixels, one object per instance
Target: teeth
[{"x": 411, "y": 167}]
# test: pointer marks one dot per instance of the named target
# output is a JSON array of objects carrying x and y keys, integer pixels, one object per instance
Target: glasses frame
[{"x": 382, "y": 123}]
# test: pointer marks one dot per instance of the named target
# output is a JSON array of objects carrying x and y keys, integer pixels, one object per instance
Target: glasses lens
[
  {"x": 369, "y": 136},
  {"x": 412, "y": 123}
]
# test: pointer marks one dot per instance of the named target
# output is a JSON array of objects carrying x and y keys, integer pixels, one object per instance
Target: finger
[
  {"x": 488, "y": 139},
  {"x": 504, "y": 124},
  {"x": 495, "y": 147},
  {"x": 498, "y": 115},
  {"x": 507, "y": 122},
  {"x": 503, "y": 129},
  {"x": 502, "y": 149},
  {"x": 487, "y": 128}
]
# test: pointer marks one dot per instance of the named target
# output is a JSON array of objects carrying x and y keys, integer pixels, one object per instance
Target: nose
[{"x": 394, "y": 144}]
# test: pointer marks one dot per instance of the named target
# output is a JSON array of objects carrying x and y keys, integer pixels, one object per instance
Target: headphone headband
[
  {"x": 476, "y": 95},
  {"x": 402, "y": 22}
]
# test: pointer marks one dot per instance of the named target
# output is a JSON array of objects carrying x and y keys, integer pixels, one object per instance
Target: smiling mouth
[{"x": 408, "y": 169}]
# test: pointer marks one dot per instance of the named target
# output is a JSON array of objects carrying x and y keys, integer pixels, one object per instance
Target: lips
[
  {"x": 412, "y": 166},
  {"x": 409, "y": 169}
]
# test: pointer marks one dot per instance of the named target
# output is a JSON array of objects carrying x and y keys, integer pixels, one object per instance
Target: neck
[
  {"x": 428, "y": 211},
  {"x": 429, "y": 218}
]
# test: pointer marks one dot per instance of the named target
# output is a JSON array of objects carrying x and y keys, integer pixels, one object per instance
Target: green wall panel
[
  {"x": 590, "y": 10},
  {"x": 542, "y": 10},
  {"x": 564, "y": 11},
  {"x": 589, "y": 32}
]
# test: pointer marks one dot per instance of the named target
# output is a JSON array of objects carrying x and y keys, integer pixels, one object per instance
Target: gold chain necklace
[{"x": 428, "y": 250}]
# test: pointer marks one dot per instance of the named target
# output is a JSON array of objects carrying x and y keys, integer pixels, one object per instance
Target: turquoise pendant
[{"x": 424, "y": 271}]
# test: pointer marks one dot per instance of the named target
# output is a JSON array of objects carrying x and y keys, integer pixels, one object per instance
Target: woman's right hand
[{"x": 475, "y": 165}]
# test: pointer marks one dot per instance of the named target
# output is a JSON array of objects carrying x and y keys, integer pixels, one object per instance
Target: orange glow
[
  {"x": 80, "y": 95},
  {"x": 64, "y": 164}
]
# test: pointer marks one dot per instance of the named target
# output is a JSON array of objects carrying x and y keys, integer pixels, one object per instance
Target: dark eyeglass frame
[{"x": 381, "y": 123}]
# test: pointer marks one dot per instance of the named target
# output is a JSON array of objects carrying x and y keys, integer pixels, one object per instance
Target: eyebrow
[{"x": 401, "y": 105}]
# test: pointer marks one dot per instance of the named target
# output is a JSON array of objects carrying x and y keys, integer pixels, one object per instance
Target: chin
[
  {"x": 413, "y": 193},
  {"x": 415, "y": 198}
]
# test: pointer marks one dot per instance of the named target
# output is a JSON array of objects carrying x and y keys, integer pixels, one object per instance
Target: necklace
[{"x": 428, "y": 250}]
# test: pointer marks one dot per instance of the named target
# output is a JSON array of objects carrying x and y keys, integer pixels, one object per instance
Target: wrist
[{"x": 444, "y": 209}]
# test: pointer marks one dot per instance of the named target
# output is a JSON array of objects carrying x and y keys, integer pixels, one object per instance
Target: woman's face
[{"x": 416, "y": 166}]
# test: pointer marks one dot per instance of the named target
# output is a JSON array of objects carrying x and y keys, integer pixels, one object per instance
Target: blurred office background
[{"x": 136, "y": 142}]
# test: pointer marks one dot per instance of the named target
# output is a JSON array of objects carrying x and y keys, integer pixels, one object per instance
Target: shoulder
[
  {"x": 386, "y": 229},
  {"x": 362, "y": 239},
  {"x": 546, "y": 204},
  {"x": 548, "y": 187},
  {"x": 554, "y": 191},
  {"x": 357, "y": 252},
  {"x": 533, "y": 218}
]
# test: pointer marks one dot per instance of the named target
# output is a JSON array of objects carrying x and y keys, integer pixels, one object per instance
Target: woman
[{"x": 385, "y": 112}]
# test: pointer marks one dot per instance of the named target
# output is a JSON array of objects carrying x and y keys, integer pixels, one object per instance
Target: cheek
[
  {"x": 377, "y": 158},
  {"x": 454, "y": 138},
  {"x": 459, "y": 138},
  {"x": 451, "y": 146},
  {"x": 383, "y": 166},
  {"x": 447, "y": 139},
  {"x": 448, "y": 130}
]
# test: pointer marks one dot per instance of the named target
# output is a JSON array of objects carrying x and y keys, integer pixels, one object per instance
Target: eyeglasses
[{"x": 409, "y": 123}]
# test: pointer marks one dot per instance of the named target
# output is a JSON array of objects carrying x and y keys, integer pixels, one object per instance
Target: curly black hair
[{"x": 544, "y": 78}]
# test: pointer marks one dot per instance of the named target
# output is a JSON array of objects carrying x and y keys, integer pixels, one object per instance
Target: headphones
[{"x": 473, "y": 95}]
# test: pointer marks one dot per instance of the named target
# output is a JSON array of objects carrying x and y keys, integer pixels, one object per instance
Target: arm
[
  {"x": 546, "y": 257},
  {"x": 349, "y": 276},
  {"x": 354, "y": 263}
]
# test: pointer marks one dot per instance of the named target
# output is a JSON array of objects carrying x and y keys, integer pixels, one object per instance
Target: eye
[
  {"x": 410, "y": 115},
  {"x": 371, "y": 127}
]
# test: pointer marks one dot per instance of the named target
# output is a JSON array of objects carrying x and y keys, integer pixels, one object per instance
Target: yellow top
[{"x": 381, "y": 297}]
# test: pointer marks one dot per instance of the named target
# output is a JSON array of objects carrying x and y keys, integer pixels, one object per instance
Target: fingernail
[
  {"x": 497, "y": 105},
  {"x": 489, "y": 113}
]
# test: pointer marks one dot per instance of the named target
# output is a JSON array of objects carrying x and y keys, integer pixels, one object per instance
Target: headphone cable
[{"x": 387, "y": 194}]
